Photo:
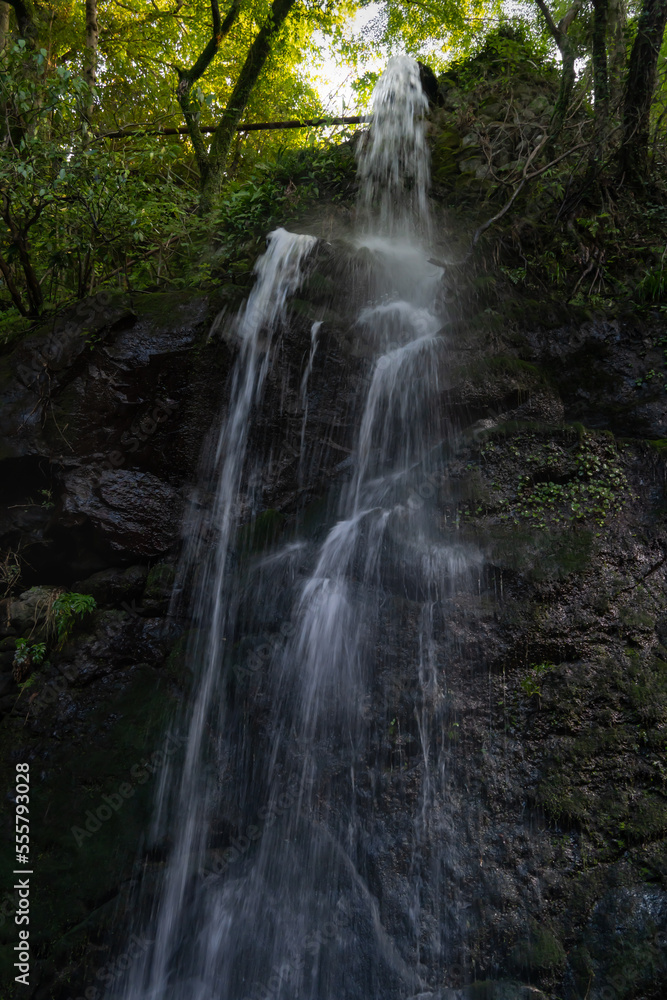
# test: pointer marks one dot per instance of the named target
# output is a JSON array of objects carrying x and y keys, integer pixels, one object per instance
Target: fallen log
[{"x": 126, "y": 133}]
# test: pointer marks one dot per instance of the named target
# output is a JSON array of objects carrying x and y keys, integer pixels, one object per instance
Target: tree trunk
[
  {"x": 226, "y": 130},
  {"x": 600, "y": 70},
  {"x": 90, "y": 62},
  {"x": 188, "y": 77},
  {"x": 567, "y": 79},
  {"x": 639, "y": 88},
  {"x": 4, "y": 24},
  {"x": 568, "y": 54},
  {"x": 19, "y": 238},
  {"x": 11, "y": 286},
  {"x": 600, "y": 79},
  {"x": 616, "y": 46},
  {"x": 25, "y": 19}
]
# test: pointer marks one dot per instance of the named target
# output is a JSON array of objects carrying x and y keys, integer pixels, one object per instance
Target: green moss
[
  {"x": 582, "y": 968},
  {"x": 636, "y": 618},
  {"x": 541, "y": 480},
  {"x": 176, "y": 667},
  {"x": 648, "y": 818},
  {"x": 159, "y": 581},
  {"x": 539, "y": 554},
  {"x": 540, "y": 953},
  {"x": 659, "y": 445},
  {"x": 444, "y": 163},
  {"x": 502, "y": 364},
  {"x": 562, "y": 800},
  {"x": 261, "y": 531}
]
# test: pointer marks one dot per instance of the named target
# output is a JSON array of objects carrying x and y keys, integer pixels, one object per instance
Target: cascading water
[{"x": 268, "y": 890}]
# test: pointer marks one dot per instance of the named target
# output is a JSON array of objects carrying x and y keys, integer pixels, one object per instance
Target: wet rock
[
  {"x": 487, "y": 990},
  {"x": 113, "y": 586},
  {"x": 159, "y": 584},
  {"x": 613, "y": 359},
  {"x": 514, "y": 389},
  {"x": 29, "y": 615},
  {"x": 429, "y": 83},
  {"x": 540, "y": 954},
  {"x": 7, "y": 684},
  {"x": 134, "y": 512},
  {"x": 549, "y": 682},
  {"x": 626, "y": 941}
]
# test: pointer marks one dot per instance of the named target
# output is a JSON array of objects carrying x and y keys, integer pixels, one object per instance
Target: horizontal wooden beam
[{"x": 125, "y": 133}]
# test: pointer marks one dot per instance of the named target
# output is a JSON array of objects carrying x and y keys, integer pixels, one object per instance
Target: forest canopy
[{"x": 122, "y": 142}]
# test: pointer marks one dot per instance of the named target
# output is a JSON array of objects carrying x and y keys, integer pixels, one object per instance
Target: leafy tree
[{"x": 212, "y": 162}]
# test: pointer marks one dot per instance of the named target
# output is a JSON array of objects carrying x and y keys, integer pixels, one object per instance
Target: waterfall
[{"x": 267, "y": 894}]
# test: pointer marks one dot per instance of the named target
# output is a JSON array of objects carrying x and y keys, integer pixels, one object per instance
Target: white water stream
[{"x": 265, "y": 894}]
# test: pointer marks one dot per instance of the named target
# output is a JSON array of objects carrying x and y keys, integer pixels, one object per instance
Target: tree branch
[
  {"x": 551, "y": 24},
  {"x": 128, "y": 133},
  {"x": 188, "y": 77},
  {"x": 567, "y": 51},
  {"x": 255, "y": 60},
  {"x": 506, "y": 207},
  {"x": 568, "y": 18},
  {"x": 11, "y": 287}
]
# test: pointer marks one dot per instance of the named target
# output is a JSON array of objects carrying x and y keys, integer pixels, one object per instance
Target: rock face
[{"x": 554, "y": 729}]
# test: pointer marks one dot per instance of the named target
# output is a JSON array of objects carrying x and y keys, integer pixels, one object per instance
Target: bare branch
[
  {"x": 132, "y": 131},
  {"x": 506, "y": 207}
]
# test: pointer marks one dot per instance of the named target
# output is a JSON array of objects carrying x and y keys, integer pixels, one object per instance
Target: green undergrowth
[
  {"x": 546, "y": 479},
  {"x": 275, "y": 195},
  {"x": 574, "y": 235}
]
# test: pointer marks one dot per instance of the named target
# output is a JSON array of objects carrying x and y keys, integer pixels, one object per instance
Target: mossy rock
[
  {"x": 106, "y": 764},
  {"x": 113, "y": 586},
  {"x": 159, "y": 582},
  {"x": 539, "y": 555},
  {"x": 446, "y": 147},
  {"x": 648, "y": 818},
  {"x": 541, "y": 953},
  {"x": 261, "y": 531}
]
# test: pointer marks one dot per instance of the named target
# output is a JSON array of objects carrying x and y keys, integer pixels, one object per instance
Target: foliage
[
  {"x": 563, "y": 488},
  {"x": 509, "y": 52},
  {"x": 10, "y": 572},
  {"x": 531, "y": 683},
  {"x": 77, "y": 212},
  {"x": 68, "y": 609},
  {"x": 81, "y": 210},
  {"x": 433, "y": 31},
  {"x": 29, "y": 654},
  {"x": 281, "y": 189},
  {"x": 26, "y": 657}
]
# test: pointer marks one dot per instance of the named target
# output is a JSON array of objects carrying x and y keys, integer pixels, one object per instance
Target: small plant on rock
[
  {"x": 531, "y": 683},
  {"x": 10, "y": 572},
  {"x": 68, "y": 609},
  {"x": 27, "y": 657}
]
